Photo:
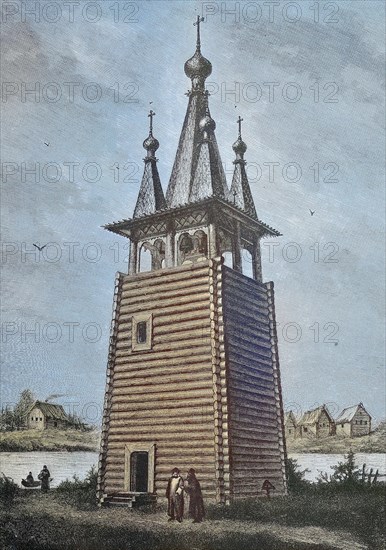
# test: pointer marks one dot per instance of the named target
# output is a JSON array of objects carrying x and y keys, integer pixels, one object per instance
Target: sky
[{"x": 308, "y": 80}]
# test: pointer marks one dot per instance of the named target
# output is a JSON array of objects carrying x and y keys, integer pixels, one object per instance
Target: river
[{"x": 63, "y": 465}]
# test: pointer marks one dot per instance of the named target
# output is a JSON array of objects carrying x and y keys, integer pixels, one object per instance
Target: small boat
[{"x": 29, "y": 485}]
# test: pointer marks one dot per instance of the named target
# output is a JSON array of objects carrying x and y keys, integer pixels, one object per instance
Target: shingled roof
[
  {"x": 312, "y": 417},
  {"x": 348, "y": 414},
  {"x": 51, "y": 410}
]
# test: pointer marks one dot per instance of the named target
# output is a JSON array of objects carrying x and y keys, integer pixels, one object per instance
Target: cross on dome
[
  {"x": 150, "y": 115},
  {"x": 197, "y": 24},
  {"x": 239, "y": 121}
]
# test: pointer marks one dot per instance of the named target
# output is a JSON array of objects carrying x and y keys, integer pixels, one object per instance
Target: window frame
[{"x": 142, "y": 318}]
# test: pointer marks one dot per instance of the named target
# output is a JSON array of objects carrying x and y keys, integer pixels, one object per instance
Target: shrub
[
  {"x": 347, "y": 476},
  {"x": 295, "y": 477},
  {"x": 8, "y": 489},
  {"x": 80, "y": 493}
]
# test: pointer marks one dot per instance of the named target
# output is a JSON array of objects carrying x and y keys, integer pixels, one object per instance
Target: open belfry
[{"x": 193, "y": 376}]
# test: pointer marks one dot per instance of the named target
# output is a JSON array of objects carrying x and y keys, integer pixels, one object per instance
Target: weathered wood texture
[
  {"x": 164, "y": 395},
  {"x": 257, "y": 448},
  {"x": 206, "y": 393}
]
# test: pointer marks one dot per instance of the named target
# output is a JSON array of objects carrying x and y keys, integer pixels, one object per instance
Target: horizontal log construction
[
  {"x": 164, "y": 395},
  {"x": 253, "y": 431},
  {"x": 202, "y": 393}
]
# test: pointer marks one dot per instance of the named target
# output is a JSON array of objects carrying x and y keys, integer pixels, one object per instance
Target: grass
[
  {"x": 49, "y": 440},
  {"x": 314, "y": 520},
  {"x": 362, "y": 512}
]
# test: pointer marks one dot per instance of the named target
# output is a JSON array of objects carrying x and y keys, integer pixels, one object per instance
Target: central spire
[
  {"x": 198, "y": 68},
  {"x": 197, "y": 171}
]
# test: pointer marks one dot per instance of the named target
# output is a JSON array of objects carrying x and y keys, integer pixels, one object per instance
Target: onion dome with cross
[{"x": 198, "y": 68}]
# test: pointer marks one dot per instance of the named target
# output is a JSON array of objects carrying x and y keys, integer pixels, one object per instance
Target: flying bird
[
  {"x": 312, "y": 212},
  {"x": 45, "y": 143},
  {"x": 150, "y": 102},
  {"x": 39, "y": 247}
]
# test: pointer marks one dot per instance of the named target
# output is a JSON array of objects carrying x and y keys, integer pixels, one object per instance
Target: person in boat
[
  {"x": 196, "y": 503},
  {"x": 44, "y": 477},
  {"x": 174, "y": 494},
  {"x": 30, "y": 479}
]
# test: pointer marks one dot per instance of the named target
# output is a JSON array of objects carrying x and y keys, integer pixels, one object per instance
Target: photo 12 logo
[
  {"x": 69, "y": 11},
  {"x": 52, "y": 332},
  {"x": 68, "y": 92},
  {"x": 271, "y": 11}
]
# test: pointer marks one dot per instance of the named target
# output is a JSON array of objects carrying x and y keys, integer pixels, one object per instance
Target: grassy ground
[
  {"x": 319, "y": 522},
  {"x": 373, "y": 443},
  {"x": 49, "y": 440}
]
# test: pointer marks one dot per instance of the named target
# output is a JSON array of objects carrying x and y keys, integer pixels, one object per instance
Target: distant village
[
  {"x": 30, "y": 413},
  {"x": 353, "y": 421}
]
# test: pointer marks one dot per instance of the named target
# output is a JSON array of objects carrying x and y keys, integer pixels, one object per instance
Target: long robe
[
  {"x": 196, "y": 502},
  {"x": 175, "y": 499},
  {"x": 44, "y": 477}
]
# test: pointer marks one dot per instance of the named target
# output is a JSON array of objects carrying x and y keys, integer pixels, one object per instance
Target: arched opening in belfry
[
  {"x": 185, "y": 248},
  {"x": 200, "y": 244},
  {"x": 226, "y": 247},
  {"x": 247, "y": 262},
  {"x": 145, "y": 258},
  {"x": 158, "y": 254}
]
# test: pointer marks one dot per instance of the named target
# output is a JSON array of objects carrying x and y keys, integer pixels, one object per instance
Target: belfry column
[
  {"x": 133, "y": 260},
  {"x": 256, "y": 262},
  {"x": 170, "y": 246},
  {"x": 237, "y": 264}
]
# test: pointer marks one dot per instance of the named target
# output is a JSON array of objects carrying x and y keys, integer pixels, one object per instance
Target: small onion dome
[
  {"x": 207, "y": 123},
  {"x": 151, "y": 144},
  {"x": 198, "y": 66},
  {"x": 239, "y": 146}
]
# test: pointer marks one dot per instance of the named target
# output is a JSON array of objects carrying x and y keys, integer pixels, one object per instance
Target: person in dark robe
[
  {"x": 44, "y": 477},
  {"x": 196, "y": 502},
  {"x": 175, "y": 496},
  {"x": 30, "y": 479}
]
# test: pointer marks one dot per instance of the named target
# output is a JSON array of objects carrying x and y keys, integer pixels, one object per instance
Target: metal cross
[
  {"x": 197, "y": 24},
  {"x": 239, "y": 121},
  {"x": 151, "y": 114}
]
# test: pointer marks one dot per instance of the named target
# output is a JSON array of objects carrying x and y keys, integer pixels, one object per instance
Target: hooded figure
[
  {"x": 44, "y": 477},
  {"x": 175, "y": 496},
  {"x": 196, "y": 503},
  {"x": 30, "y": 479}
]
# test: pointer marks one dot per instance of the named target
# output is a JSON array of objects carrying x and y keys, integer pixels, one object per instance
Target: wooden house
[
  {"x": 42, "y": 415},
  {"x": 290, "y": 425},
  {"x": 353, "y": 421},
  {"x": 193, "y": 376},
  {"x": 316, "y": 423}
]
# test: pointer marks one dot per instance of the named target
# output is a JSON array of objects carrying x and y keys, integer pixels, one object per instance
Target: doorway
[
  {"x": 139, "y": 467},
  {"x": 139, "y": 471}
]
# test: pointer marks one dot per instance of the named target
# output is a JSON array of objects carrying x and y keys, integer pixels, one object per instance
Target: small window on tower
[
  {"x": 142, "y": 329},
  {"x": 141, "y": 332}
]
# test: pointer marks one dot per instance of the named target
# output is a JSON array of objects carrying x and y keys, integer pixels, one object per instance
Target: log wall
[
  {"x": 207, "y": 392},
  {"x": 164, "y": 395},
  {"x": 256, "y": 440}
]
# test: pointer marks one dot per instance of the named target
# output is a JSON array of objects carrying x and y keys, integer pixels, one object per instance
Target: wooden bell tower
[{"x": 193, "y": 376}]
